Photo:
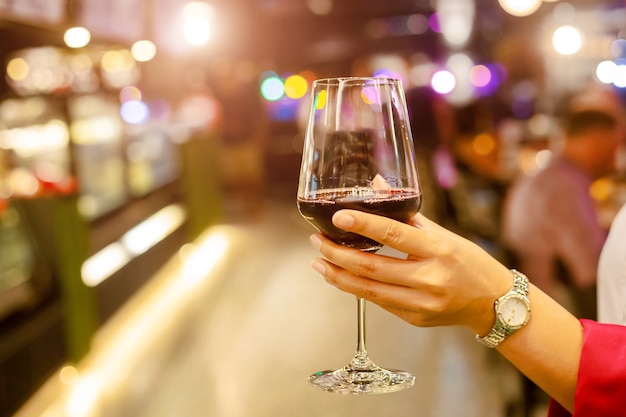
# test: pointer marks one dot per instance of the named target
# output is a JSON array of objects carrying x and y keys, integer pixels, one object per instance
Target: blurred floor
[{"x": 239, "y": 336}]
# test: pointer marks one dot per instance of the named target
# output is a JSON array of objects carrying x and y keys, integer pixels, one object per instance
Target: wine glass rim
[{"x": 333, "y": 81}]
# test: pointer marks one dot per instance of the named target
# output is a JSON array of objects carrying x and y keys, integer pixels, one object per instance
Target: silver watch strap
[{"x": 498, "y": 333}]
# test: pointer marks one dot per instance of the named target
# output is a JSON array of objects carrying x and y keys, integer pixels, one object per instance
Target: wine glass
[{"x": 358, "y": 154}]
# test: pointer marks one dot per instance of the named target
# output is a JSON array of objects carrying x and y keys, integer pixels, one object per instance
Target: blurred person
[
  {"x": 447, "y": 280},
  {"x": 550, "y": 222}
]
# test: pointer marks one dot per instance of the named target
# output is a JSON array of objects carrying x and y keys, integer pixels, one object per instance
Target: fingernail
[
  {"x": 343, "y": 220},
  {"x": 316, "y": 241},
  {"x": 319, "y": 266}
]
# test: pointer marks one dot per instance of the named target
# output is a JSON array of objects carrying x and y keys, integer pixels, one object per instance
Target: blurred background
[{"x": 129, "y": 129}]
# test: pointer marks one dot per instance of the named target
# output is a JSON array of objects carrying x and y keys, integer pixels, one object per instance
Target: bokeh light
[
  {"x": 567, "y": 40},
  {"x": 197, "y": 30},
  {"x": 443, "y": 81},
  {"x": 143, "y": 51},
  {"x": 128, "y": 93},
  {"x": 619, "y": 77},
  {"x": 520, "y": 7},
  {"x": 18, "y": 69},
  {"x": 134, "y": 112},
  {"x": 480, "y": 75},
  {"x": 296, "y": 86},
  {"x": 605, "y": 71},
  {"x": 272, "y": 88},
  {"x": 433, "y": 23},
  {"x": 77, "y": 37},
  {"x": 483, "y": 144},
  {"x": 197, "y": 18},
  {"x": 117, "y": 61}
]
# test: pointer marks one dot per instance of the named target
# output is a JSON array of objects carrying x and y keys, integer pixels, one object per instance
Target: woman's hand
[{"x": 445, "y": 280}]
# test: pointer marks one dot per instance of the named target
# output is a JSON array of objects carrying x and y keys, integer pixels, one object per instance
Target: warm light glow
[
  {"x": 520, "y": 7},
  {"x": 196, "y": 30},
  {"x": 103, "y": 264},
  {"x": 117, "y": 61},
  {"x": 201, "y": 259},
  {"x": 22, "y": 182},
  {"x": 154, "y": 229},
  {"x": 197, "y": 18},
  {"x": 456, "y": 19},
  {"x": 35, "y": 139},
  {"x": 77, "y": 37},
  {"x": 136, "y": 241},
  {"x": 567, "y": 40},
  {"x": 97, "y": 129},
  {"x": 83, "y": 396},
  {"x": 296, "y": 86},
  {"x": 18, "y": 69},
  {"x": 602, "y": 189},
  {"x": 197, "y": 8},
  {"x": 123, "y": 342},
  {"x": 143, "y": 51},
  {"x": 483, "y": 144},
  {"x": 68, "y": 375}
]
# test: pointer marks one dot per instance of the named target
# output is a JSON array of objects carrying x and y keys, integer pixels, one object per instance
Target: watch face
[{"x": 513, "y": 311}]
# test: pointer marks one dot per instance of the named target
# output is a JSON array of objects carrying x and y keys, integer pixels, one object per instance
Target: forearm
[{"x": 548, "y": 349}]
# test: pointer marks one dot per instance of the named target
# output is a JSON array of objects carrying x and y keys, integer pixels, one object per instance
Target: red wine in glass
[{"x": 398, "y": 204}]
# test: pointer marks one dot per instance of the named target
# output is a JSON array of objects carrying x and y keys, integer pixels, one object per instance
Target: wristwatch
[{"x": 512, "y": 312}]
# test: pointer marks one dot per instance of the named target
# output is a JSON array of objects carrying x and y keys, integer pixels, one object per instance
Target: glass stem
[{"x": 361, "y": 360}]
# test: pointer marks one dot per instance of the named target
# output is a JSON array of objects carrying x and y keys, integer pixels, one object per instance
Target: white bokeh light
[
  {"x": 77, "y": 37},
  {"x": 605, "y": 71},
  {"x": 567, "y": 40},
  {"x": 520, "y": 7},
  {"x": 143, "y": 51},
  {"x": 443, "y": 81},
  {"x": 619, "y": 79},
  {"x": 197, "y": 19}
]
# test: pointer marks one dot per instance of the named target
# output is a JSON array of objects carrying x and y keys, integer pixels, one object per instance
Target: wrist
[{"x": 499, "y": 283}]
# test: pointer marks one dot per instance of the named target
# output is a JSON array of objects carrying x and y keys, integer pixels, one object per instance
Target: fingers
[
  {"x": 410, "y": 304},
  {"x": 369, "y": 265},
  {"x": 382, "y": 293},
  {"x": 417, "y": 239}
]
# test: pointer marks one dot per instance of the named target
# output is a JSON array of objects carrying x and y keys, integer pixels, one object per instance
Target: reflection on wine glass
[{"x": 358, "y": 154}]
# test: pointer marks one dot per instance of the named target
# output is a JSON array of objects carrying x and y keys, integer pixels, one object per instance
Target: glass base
[{"x": 362, "y": 380}]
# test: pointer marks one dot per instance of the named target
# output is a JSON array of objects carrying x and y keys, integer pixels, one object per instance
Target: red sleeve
[{"x": 601, "y": 387}]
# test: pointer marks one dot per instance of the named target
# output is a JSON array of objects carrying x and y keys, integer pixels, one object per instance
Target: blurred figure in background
[{"x": 550, "y": 222}]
